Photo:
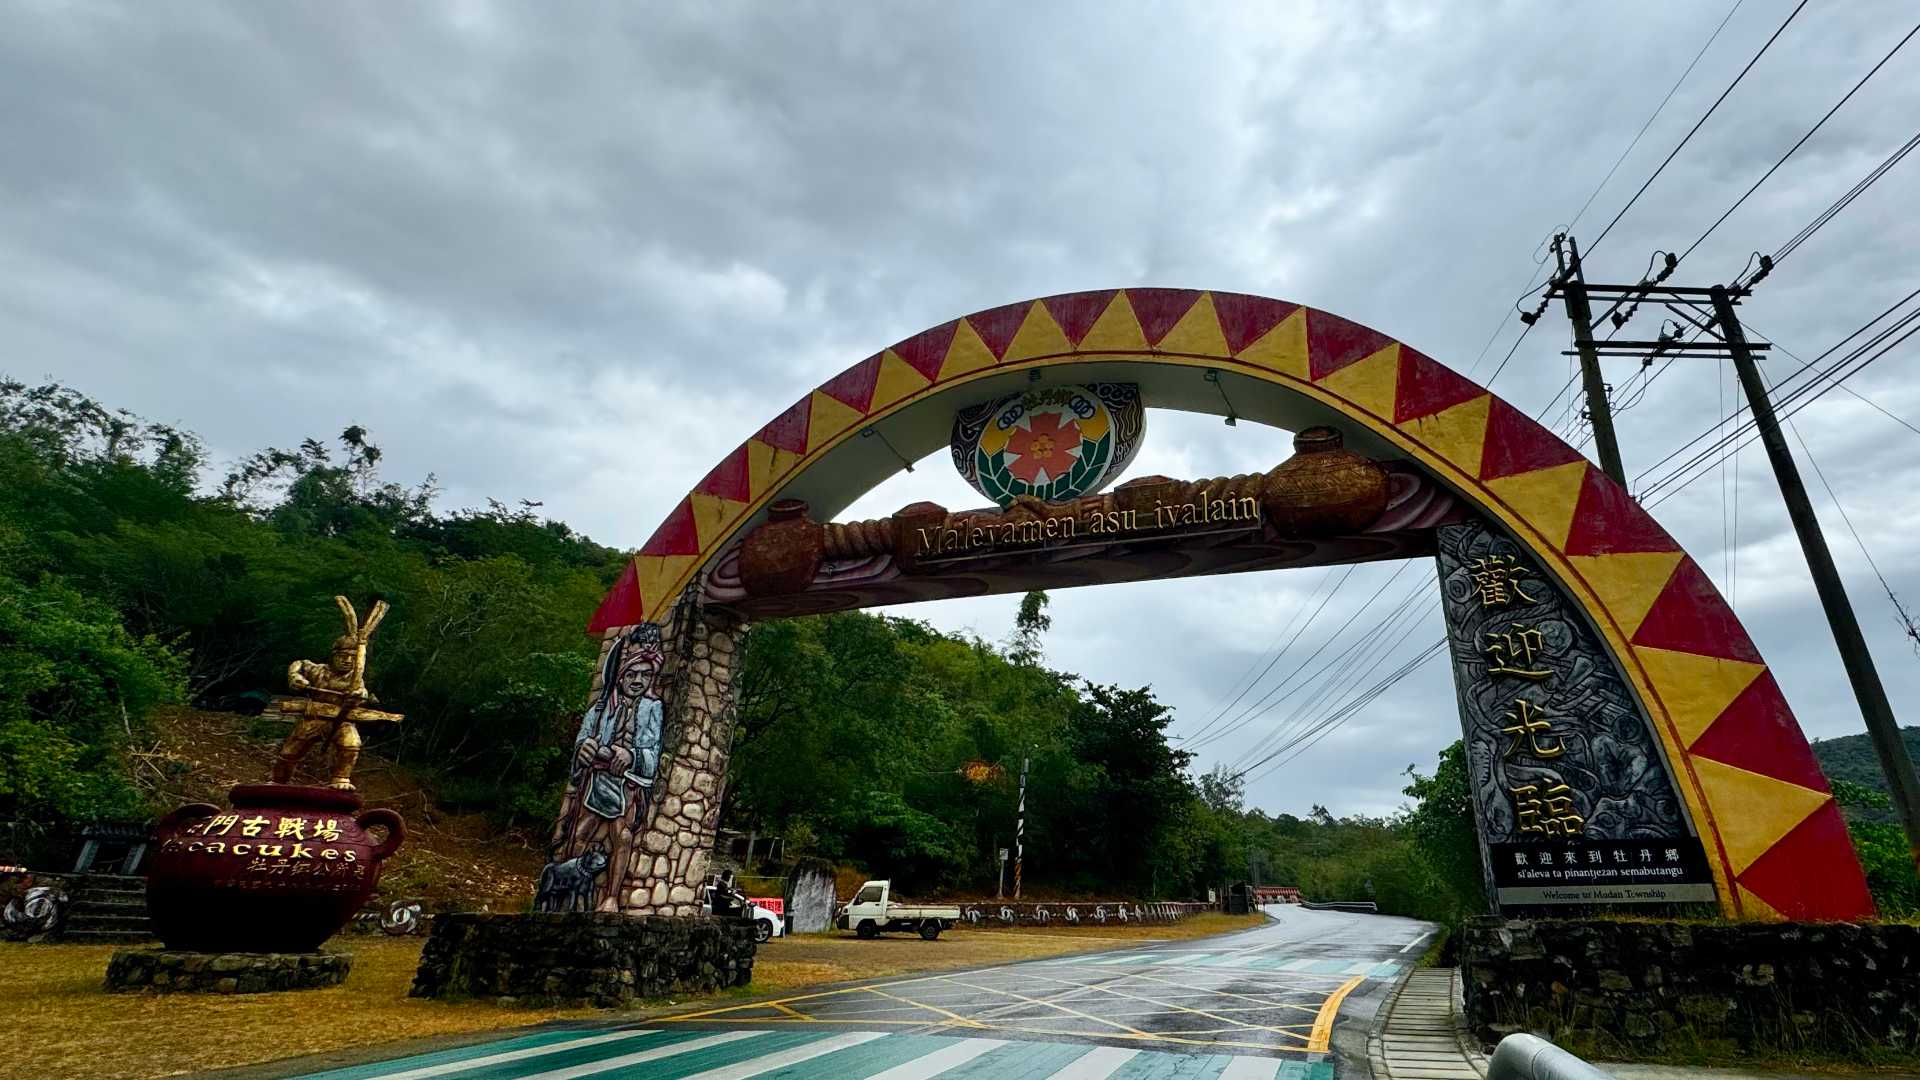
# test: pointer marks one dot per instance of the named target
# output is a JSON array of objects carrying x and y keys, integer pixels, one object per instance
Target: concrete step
[
  {"x": 113, "y": 881},
  {"x": 138, "y": 922},
  {"x": 110, "y": 906},
  {"x": 105, "y": 937}
]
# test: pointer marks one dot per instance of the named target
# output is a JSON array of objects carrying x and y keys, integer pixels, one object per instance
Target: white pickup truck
[{"x": 870, "y": 913}]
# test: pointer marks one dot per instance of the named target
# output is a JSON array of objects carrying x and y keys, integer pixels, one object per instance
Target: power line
[
  {"x": 1514, "y": 348},
  {"x": 1744, "y": 434},
  {"x": 1298, "y": 630},
  {"x": 1256, "y": 710},
  {"x": 1332, "y": 671},
  {"x": 1671, "y": 90},
  {"x": 1895, "y": 306},
  {"x": 1255, "y": 662},
  {"x": 1900, "y": 611},
  {"x": 1349, "y": 711},
  {"x": 1791, "y": 150},
  {"x": 1820, "y": 221},
  {"x": 1595, "y": 193},
  {"x": 1697, "y": 125},
  {"x": 1801, "y": 397},
  {"x": 1336, "y": 692}
]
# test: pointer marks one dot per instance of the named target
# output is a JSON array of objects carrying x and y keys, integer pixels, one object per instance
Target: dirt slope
[{"x": 450, "y": 861}]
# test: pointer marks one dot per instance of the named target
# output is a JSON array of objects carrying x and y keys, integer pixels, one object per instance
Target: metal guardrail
[
  {"x": 1059, "y": 914},
  {"x": 1366, "y": 906},
  {"x": 1529, "y": 1057}
]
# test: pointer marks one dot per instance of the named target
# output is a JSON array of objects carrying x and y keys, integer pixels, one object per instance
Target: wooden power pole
[
  {"x": 1722, "y": 337},
  {"x": 1572, "y": 282},
  {"x": 1884, "y": 730}
]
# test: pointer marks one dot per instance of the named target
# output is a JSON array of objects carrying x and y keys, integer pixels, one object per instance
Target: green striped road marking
[
  {"x": 1156, "y": 1066},
  {"x": 1019, "y": 1061},
  {"x": 443, "y": 1062},
  {"x": 865, "y": 1060},
  {"x": 767, "y": 1065},
  {"x": 716, "y": 1057},
  {"x": 675, "y": 1046}
]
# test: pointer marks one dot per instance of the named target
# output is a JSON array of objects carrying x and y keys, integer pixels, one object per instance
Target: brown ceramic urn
[
  {"x": 282, "y": 871},
  {"x": 783, "y": 554},
  {"x": 1324, "y": 489}
]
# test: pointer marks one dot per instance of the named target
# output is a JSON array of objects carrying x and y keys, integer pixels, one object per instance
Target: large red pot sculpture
[{"x": 282, "y": 871}]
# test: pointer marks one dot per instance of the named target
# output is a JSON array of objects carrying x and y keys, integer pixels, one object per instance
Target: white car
[{"x": 769, "y": 915}]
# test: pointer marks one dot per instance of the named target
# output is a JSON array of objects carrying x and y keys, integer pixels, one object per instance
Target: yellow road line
[
  {"x": 778, "y": 1004},
  {"x": 1228, "y": 993},
  {"x": 953, "y": 1017},
  {"x": 1242, "y": 1024},
  {"x": 1062, "y": 1008},
  {"x": 1322, "y": 1035},
  {"x": 1147, "y": 1037}
]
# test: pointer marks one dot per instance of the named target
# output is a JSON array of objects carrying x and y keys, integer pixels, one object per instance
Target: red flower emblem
[{"x": 1045, "y": 449}]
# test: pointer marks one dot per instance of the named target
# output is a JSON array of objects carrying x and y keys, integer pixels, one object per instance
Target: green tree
[
  {"x": 1882, "y": 848},
  {"x": 1441, "y": 830},
  {"x": 1029, "y": 626},
  {"x": 74, "y": 688}
]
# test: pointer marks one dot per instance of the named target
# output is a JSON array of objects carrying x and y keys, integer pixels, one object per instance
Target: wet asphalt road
[
  {"x": 1304, "y": 988},
  {"x": 1291, "y": 1000}
]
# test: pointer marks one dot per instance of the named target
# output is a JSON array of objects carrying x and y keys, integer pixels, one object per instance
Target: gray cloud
[{"x": 577, "y": 256}]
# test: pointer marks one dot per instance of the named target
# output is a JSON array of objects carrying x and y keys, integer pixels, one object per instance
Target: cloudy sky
[{"x": 576, "y": 253}]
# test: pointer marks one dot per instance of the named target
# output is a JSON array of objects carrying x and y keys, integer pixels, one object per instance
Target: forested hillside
[
  {"x": 1860, "y": 784},
  {"x": 133, "y": 572},
  {"x": 1851, "y": 758}
]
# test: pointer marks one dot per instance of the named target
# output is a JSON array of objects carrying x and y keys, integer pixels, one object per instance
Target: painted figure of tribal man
[{"x": 616, "y": 757}]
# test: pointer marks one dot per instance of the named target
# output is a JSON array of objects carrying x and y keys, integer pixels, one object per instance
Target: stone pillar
[
  {"x": 677, "y": 845},
  {"x": 648, "y": 768}
]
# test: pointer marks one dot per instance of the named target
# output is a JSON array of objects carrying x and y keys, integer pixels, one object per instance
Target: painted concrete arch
[{"x": 1774, "y": 836}]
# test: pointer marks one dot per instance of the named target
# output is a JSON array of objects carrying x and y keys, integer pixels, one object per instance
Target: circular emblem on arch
[{"x": 1054, "y": 443}]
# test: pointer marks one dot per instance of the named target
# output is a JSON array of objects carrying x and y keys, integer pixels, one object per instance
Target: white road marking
[
  {"x": 1096, "y": 1064},
  {"x": 592, "y": 1068},
  {"x": 1408, "y": 947},
  {"x": 513, "y": 1055},
  {"x": 931, "y": 1065},
  {"x": 1250, "y": 1068},
  {"x": 793, "y": 1056}
]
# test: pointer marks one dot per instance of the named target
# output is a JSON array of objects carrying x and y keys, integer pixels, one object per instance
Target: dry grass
[
  {"x": 64, "y": 1025},
  {"x": 812, "y": 959}
]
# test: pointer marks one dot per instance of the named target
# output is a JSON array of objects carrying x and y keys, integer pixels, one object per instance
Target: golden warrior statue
[{"x": 334, "y": 696}]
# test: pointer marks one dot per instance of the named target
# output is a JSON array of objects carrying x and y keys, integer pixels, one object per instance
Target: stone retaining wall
[
  {"x": 1828, "y": 985},
  {"x": 582, "y": 958},
  {"x": 225, "y": 973}
]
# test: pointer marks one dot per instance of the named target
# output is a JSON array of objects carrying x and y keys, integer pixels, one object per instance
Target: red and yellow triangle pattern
[{"x": 1772, "y": 830}]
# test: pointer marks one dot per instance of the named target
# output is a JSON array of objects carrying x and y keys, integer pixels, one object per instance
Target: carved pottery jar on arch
[
  {"x": 282, "y": 871},
  {"x": 1324, "y": 488}
]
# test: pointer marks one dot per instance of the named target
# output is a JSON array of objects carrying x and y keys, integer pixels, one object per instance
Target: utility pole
[
  {"x": 1874, "y": 707},
  {"x": 1573, "y": 288},
  {"x": 1722, "y": 336},
  {"x": 1020, "y": 828}
]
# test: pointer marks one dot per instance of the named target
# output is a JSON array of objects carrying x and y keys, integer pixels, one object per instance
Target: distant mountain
[{"x": 1851, "y": 757}]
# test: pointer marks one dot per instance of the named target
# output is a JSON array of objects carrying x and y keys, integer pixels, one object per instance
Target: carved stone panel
[{"x": 1572, "y": 793}]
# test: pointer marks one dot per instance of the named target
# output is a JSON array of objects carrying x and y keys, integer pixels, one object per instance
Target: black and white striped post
[{"x": 1020, "y": 828}]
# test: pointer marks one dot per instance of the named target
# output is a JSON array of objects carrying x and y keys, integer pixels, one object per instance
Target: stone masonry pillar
[
  {"x": 677, "y": 844},
  {"x": 648, "y": 768}
]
